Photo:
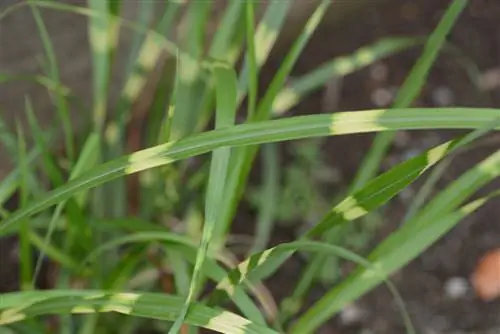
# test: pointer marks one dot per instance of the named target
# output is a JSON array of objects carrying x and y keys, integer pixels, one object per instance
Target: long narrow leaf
[
  {"x": 435, "y": 219},
  {"x": 18, "y": 306},
  {"x": 225, "y": 116},
  {"x": 266, "y": 132},
  {"x": 410, "y": 90}
]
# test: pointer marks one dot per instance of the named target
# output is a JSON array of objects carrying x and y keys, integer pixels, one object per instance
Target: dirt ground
[{"x": 423, "y": 282}]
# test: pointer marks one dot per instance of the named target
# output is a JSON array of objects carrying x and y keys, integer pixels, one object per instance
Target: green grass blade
[
  {"x": 381, "y": 189},
  {"x": 7, "y": 138},
  {"x": 291, "y": 128},
  {"x": 83, "y": 163},
  {"x": 42, "y": 80},
  {"x": 434, "y": 220},
  {"x": 101, "y": 44},
  {"x": 273, "y": 257},
  {"x": 25, "y": 250},
  {"x": 464, "y": 144},
  {"x": 226, "y": 46},
  {"x": 410, "y": 90},
  {"x": 378, "y": 192},
  {"x": 243, "y": 158},
  {"x": 51, "y": 169},
  {"x": 184, "y": 247},
  {"x": 18, "y": 306},
  {"x": 252, "y": 60},
  {"x": 269, "y": 195},
  {"x": 339, "y": 67},
  {"x": 266, "y": 34},
  {"x": 219, "y": 48},
  {"x": 56, "y": 254},
  {"x": 62, "y": 107},
  {"x": 146, "y": 12},
  {"x": 191, "y": 74},
  {"x": 226, "y": 89},
  {"x": 265, "y": 106},
  {"x": 10, "y": 183}
]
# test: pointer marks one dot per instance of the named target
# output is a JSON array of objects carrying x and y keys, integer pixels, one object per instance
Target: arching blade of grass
[
  {"x": 271, "y": 258},
  {"x": 226, "y": 90},
  {"x": 42, "y": 80},
  {"x": 376, "y": 193},
  {"x": 269, "y": 198},
  {"x": 226, "y": 46},
  {"x": 243, "y": 158},
  {"x": 466, "y": 143},
  {"x": 25, "y": 255},
  {"x": 383, "y": 188},
  {"x": 52, "y": 171},
  {"x": 191, "y": 75},
  {"x": 146, "y": 13},
  {"x": 10, "y": 183},
  {"x": 410, "y": 90},
  {"x": 7, "y": 139},
  {"x": 77, "y": 229},
  {"x": 18, "y": 306},
  {"x": 103, "y": 34},
  {"x": 221, "y": 43},
  {"x": 435, "y": 219},
  {"x": 251, "y": 59},
  {"x": 266, "y": 34},
  {"x": 188, "y": 249},
  {"x": 299, "y": 87},
  {"x": 291, "y": 128},
  {"x": 154, "y": 36},
  {"x": 62, "y": 107},
  {"x": 147, "y": 57}
]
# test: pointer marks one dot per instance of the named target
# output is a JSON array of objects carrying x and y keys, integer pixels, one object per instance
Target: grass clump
[{"x": 138, "y": 213}]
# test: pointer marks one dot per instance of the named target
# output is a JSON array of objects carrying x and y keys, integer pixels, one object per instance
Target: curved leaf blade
[{"x": 265, "y": 132}]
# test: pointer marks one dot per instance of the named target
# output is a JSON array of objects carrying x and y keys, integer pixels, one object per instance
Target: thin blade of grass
[
  {"x": 7, "y": 138},
  {"x": 62, "y": 107},
  {"x": 17, "y": 306},
  {"x": 101, "y": 44},
  {"x": 220, "y": 46},
  {"x": 426, "y": 189},
  {"x": 273, "y": 257},
  {"x": 380, "y": 190},
  {"x": 146, "y": 12},
  {"x": 243, "y": 158},
  {"x": 410, "y": 90},
  {"x": 269, "y": 195},
  {"x": 51, "y": 169},
  {"x": 76, "y": 230},
  {"x": 300, "y": 87},
  {"x": 56, "y": 254},
  {"x": 435, "y": 219},
  {"x": 291, "y": 128},
  {"x": 181, "y": 245},
  {"x": 191, "y": 75},
  {"x": 252, "y": 60},
  {"x": 25, "y": 251},
  {"x": 225, "y": 46},
  {"x": 10, "y": 183},
  {"x": 226, "y": 89},
  {"x": 266, "y": 34},
  {"x": 377, "y": 192},
  {"x": 359, "y": 201}
]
